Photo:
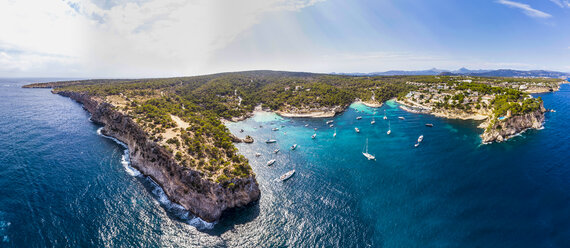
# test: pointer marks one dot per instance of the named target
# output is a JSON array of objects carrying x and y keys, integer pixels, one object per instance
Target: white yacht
[
  {"x": 287, "y": 175},
  {"x": 270, "y": 162},
  {"x": 421, "y": 138}
]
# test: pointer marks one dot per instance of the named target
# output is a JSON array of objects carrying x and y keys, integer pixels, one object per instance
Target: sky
[{"x": 164, "y": 38}]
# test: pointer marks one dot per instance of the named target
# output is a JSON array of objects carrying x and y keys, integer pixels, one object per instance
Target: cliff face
[
  {"x": 185, "y": 186},
  {"x": 502, "y": 130}
]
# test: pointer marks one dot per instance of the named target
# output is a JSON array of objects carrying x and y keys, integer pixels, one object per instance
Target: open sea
[{"x": 64, "y": 185}]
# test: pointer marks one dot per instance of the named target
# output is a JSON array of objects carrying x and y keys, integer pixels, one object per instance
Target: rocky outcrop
[
  {"x": 502, "y": 130},
  {"x": 182, "y": 185},
  {"x": 248, "y": 139}
]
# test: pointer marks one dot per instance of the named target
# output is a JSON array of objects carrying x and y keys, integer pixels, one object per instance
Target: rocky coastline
[
  {"x": 323, "y": 112},
  {"x": 495, "y": 130},
  {"x": 502, "y": 130},
  {"x": 182, "y": 185}
]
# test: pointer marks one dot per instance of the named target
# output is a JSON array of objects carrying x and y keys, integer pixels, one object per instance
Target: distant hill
[
  {"x": 467, "y": 72},
  {"x": 517, "y": 73}
]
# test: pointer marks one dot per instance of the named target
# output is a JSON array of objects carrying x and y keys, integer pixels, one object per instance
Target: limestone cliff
[
  {"x": 502, "y": 130},
  {"x": 182, "y": 185}
]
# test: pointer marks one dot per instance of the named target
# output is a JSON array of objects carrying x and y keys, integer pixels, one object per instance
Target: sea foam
[{"x": 178, "y": 210}]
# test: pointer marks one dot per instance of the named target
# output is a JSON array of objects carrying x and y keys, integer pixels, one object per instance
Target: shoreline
[
  {"x": 203, "y": 198},
  {"x": 134, "y": 172},
  {"x": 422, "y": 110}
]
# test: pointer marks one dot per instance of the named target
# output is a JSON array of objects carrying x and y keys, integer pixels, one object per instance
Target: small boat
[
  {"x": 357, "y": 130},
  {"x": 270, "y": 162},
  {"x": 287, "y": 175},
  {"x": 401, "y": 118},
  {"x": 417, "y": 144},
  {"x": 366, "y": 154},
  {"x": 293, "y": 147},
  {"x": 313, "y": 136},
  {"x": 306, "y": 125},
  {"x": 275, "y": 129},
  {"x": 330, "y": 121},
  {"x": 420, "y": 139},
  {"x": 389, "y": 130},
  {"x": 331, "y": 125},
  {"x": 334, "y": 134},
  {"x": 315, "y": 129},
  {"x": 241, "y": 130},
  {"x": 553, "y": 111},
  {"x": 270, "y": 140},
  {"x": 373, "y": 120},
  {"x": 429, "y": 125},
  {"x": 276, "y": 151},
  {"x": 257, "y": 154},
  {"x": 385, "y": 117},
  {"x": 359, "y": 117}
]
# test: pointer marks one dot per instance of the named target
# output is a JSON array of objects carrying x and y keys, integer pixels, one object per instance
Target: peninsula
[{"x": 175, "y": 133}]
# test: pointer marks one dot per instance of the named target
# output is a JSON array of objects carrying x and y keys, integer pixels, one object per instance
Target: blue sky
[{"x": 116, "y": 38}]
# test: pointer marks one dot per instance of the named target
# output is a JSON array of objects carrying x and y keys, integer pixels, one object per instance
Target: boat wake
[{"x": 177, "y": 210}]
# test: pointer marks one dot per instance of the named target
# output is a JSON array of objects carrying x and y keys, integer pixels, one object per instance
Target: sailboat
[
  {"x": 366, "y": 154},
  {"x": 270, "y": 140},
  {"x": 334, "y": 134},
  {"x": 385, "y": 117},
  {"x": 389, "y": 130}
]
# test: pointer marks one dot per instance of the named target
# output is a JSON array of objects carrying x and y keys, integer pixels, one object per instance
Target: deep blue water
[{"x": 62, "y": 184}]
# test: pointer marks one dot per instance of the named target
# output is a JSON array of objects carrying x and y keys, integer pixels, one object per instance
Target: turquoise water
[{"x": 64, "y": 185}]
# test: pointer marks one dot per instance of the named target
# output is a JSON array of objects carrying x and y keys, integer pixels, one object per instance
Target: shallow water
[{"x": 65, "y": 185}]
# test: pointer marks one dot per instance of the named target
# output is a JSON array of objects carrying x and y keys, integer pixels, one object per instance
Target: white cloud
[
  {"x": 149, "y": 38},
  {"x": 527, "y": 9},
  {"x": 562, "y": 3}
]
